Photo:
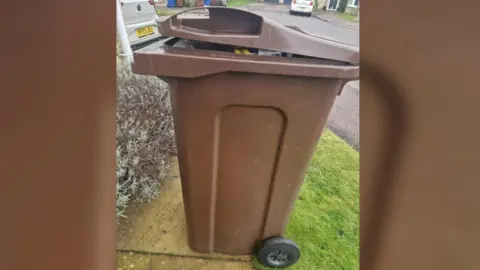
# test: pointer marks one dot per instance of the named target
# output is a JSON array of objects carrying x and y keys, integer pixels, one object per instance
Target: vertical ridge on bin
[
  {"x": 278, "y": 153},
  {"x": 249, "y": 139},
  {"x": 213, "y": 199}
]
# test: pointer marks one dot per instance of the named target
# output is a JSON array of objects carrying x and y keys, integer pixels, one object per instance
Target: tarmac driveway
[
  {"x": 314, "y": 25},
  {"x": 344, "y": 119}
]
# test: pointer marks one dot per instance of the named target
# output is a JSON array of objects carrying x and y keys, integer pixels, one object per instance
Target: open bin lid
[{"x": 245, "y": 29}]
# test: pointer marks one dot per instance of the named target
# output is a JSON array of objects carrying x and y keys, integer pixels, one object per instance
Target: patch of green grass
[
  {"x": 346, "y": 16},
  {"x": 165, "y": 12},
  {"x": 239, "y": 3},
  {"x": 325, "y": 220}
]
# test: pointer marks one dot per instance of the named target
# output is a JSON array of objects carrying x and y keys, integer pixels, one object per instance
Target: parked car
[
  {"x": 139, "y": 17},
  {"x": 304, "y": 7}
]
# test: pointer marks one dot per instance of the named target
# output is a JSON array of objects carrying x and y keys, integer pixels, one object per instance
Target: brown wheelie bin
[{"x": 250, "y": 99}]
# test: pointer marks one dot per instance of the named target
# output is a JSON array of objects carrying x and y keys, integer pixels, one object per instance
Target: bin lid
[{"x": 245, "y": 29}]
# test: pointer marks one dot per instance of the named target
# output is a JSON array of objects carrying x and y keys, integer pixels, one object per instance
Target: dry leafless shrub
[{"x": 145, "y": 136}]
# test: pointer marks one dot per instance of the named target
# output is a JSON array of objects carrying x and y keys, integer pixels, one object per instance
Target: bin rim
[
  {"x": 255, "y": 31},
  {"x": 160, "y": 60}
]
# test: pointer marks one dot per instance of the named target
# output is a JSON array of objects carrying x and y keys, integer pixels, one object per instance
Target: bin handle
[
  {"x": 218, "y": 16},
  {"x": 245, "y": 29}
]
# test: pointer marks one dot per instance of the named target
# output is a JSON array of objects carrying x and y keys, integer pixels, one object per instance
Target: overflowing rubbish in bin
[{"x": 250, "y": 99}]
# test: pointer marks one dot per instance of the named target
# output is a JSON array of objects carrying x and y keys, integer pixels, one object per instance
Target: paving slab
[
  {"x": 160, "y": 226},
  {"x": 179, "y": 263},
  {"x": 132, "y": 261},
  {"x": 129, "y": 260}
]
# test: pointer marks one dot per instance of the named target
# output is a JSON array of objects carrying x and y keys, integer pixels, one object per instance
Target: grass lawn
[
  {"x": 239, "y": 3},
  {"x": 346, "y": 16},
  {"x": 325, "y": 220},
  {"x": 166, "y": 12}
]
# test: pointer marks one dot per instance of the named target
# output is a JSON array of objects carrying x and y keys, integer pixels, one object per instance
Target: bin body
[
  {"x": 244, "y": 142},
  {"x": 246, "y": 125}
]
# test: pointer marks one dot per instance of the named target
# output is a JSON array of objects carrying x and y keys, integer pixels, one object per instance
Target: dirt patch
[{"x": 160, "y": 227}]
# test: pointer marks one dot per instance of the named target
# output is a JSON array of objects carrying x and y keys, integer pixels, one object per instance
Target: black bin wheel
[{"x": 278, "y": 252}]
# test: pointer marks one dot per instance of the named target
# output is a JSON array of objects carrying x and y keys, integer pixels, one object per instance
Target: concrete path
[
  {"x": 154, "y": 236},
  {"x": 145, "y": 261}
]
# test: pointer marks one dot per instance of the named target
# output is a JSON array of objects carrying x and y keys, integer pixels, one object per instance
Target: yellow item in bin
[{"x": 241, "y": 51}]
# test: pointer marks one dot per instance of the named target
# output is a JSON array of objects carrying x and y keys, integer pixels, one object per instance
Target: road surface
[
  {"x": 344, "y": 120},
  {"x": 313, "y": 26}
]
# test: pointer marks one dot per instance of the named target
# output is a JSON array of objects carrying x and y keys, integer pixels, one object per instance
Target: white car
[
  {"x": 139, "y": 17},
  {"x": 301, "y": 7}
]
